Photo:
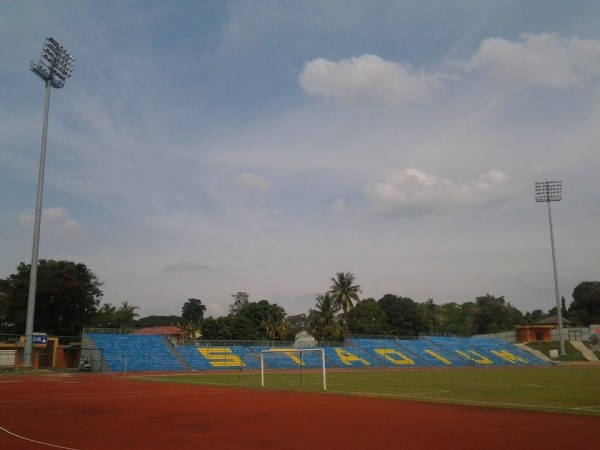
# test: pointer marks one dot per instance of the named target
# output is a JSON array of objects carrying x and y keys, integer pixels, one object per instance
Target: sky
[{"x": 204, "y": 148}]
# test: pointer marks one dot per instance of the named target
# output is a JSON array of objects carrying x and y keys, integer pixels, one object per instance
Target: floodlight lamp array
[
  {"x": 548, "y": 191},
  {"x": 55, "y": 64}
]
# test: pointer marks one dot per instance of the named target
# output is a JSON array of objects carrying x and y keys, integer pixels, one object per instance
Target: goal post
[{"x": 294, "y": 359}]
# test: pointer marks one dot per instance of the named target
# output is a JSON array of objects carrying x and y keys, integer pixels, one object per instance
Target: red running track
[{"x": 88, "y": 412}]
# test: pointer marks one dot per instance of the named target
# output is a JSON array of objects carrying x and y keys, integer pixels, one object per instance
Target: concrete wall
[{"x": 569, "y": 334}]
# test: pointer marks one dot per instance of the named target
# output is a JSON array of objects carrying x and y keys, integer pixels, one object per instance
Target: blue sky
[{"x": 203, "y": 148}]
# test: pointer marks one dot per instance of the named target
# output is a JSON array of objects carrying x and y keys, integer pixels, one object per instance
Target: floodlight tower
[
  {"x": 551, "y": 191},
  {"x": 54, "y": 67}
]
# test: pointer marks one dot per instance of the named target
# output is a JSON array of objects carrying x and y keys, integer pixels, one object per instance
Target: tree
[
  {"x": 68, "y": 295},
  {"x": 257, "y": 320},
  {"x": 585, "y": 307},
  {"x": 243, "y": 328},
  {"x": 273, "y": 324},
  {"x": 494, "y": 315},
  {"x": 241, "y": 300},
  {"x": 190, "y": 329},
  {"x": 323, "y": 319},
  {"x": 327, "y": 309},
  {"x": 105, "y": 317},
  {"x": 367, "y": 317},
  {"x": 534, "y": 316},
  {"x": 157, "y": 321},
  {"x": 343, "y": 291},
  {"x": 126, "y": 315},
  {"x": 217, "y": 329},
  {"x": 298, "y": 322},
  {"x": 563, "y": 307},
  {"x": 460, "y": 318},
  {"x": 432, "y": 317},
  {"x": 402, "y": 315},
  {"x": 193, "y": 311},
  {"x": 108, "y": 316}
]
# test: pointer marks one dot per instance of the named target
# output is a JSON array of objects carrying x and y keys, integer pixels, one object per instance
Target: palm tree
[
  {"x": 274, "y": 328},
  {"x": 323, "y": 318},
  {"x": 274, "y": 325},
  {"x": 126, "y": 315},
  {"x": 190, "y": 329},
  {"x": 343, "y": 292},
  {"x": 327, "y": 309}
]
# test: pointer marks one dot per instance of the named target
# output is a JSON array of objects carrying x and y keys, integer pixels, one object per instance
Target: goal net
[{"x": 304, "y": 367}]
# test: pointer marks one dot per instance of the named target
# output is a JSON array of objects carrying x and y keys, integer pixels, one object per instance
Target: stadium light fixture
[
  {"x": 546, "y": 192},
  {"x": 55, "y": 64},
  {"x": 54, "y": 67}
]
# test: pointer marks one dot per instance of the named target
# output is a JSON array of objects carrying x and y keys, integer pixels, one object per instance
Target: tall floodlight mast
[
  {"x": 54, "y": 67},
  {"x": 546, "y": 192}
]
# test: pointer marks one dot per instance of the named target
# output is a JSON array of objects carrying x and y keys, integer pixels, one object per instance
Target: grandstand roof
[
  {"x": 172, "y": 330},
  {"x": 553, "y": 320}
]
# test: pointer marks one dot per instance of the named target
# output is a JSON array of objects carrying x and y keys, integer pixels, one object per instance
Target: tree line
[{"x": 69, "y": 298}]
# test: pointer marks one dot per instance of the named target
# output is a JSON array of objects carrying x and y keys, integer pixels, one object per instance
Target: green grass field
[{"x": 567, "y": 389}]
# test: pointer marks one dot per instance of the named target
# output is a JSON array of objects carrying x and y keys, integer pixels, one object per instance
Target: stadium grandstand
[{"x": 135, "y": 352}]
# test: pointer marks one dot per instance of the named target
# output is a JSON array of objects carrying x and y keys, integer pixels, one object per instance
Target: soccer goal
[{"x": 300, "y": 362}]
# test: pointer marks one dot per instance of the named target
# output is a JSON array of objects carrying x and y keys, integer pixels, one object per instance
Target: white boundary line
[
  {"x": 454, "y": 402},
  {"x": 34, "y": 441}
]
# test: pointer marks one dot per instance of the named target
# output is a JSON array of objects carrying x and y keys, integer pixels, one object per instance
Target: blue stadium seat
[
  {"x": 136, "y": 353},
  {"x": 126, "y": 352}
]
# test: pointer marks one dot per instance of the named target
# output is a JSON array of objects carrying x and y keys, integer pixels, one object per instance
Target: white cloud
[
  {"x": 338, "y": 206},
  {"x": 538, "y": 59},
  {"x": 55, "y": 220},
  {"x": 414, "y": 192},
  {"x": 252, "y": 180},
  {"x": 367, "y": 79},
  {"x": 203, "y": 185}
]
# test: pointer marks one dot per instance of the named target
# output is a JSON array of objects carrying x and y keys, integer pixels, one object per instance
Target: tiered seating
[
  {"x": 226, "y": 358},
  {"x": 390, "y": 352},
  {"x": 443, "y": 352},
  {"x": 348, "y": 357},
  {"x": 126, "y": 352},
  {"x": 505, "y": 353},
  {"x": 484, "y": 351},
  {"x": 456, "y": 350},
  {"x": 193, "y": 358},
  {"x": 428, "y": 356},
  {"x": 292, "y": 360},
  {"x": 153, "y": 353}
]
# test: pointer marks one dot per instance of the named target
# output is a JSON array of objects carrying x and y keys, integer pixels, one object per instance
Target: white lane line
[{"x": 34, "y": 441}]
